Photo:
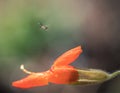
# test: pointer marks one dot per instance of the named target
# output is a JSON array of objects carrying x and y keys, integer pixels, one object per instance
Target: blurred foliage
[{"x": 20, "y": 34}]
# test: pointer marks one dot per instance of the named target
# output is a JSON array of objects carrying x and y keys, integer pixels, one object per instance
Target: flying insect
[{"x": 43, "y": 27}]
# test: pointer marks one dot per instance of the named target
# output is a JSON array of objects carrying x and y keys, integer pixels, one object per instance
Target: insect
[
  {"x": 44, "y": 27},
  {"x": 61, "y": 72}
]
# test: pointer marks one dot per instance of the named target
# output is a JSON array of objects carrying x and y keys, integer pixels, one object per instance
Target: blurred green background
[{"x": 94, "y": 25}]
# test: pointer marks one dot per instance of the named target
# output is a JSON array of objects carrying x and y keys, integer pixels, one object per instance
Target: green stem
[{"x": 114, "y": 74}]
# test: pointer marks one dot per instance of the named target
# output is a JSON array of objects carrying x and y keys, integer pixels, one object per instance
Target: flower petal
[
  {"x": 64, "y": 75},
  {"x": 33, "y": 80},
  {"x": 68, "y": 57}
]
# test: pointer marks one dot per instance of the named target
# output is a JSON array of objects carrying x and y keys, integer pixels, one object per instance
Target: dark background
[{"x": 93, "y": 24}]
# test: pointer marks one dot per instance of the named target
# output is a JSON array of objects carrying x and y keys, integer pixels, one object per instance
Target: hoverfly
[{"x": 43, "y": 27}]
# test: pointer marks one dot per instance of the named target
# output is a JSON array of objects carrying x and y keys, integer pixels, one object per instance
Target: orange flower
[{"x": 61, "y": 72}]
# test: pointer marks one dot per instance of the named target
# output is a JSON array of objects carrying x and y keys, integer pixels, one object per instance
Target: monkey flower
[{"x": 61, "y": 72}]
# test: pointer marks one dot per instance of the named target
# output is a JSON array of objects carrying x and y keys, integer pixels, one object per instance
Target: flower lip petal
[
  {"x": 32, "y": 80},
  {"x": 68, "y": 57}
]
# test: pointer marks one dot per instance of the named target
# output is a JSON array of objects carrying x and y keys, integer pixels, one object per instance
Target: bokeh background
[{"x": 93, "y": 24}]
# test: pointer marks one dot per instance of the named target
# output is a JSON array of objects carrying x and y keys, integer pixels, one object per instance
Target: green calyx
[{"x": 93, "y": 76}]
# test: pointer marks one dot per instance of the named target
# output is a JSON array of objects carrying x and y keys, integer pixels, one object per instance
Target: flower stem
[{"x": 114, "y": 74}]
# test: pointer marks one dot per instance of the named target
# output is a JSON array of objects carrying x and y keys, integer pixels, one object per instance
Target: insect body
[{"x": 44, "y": 27}]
